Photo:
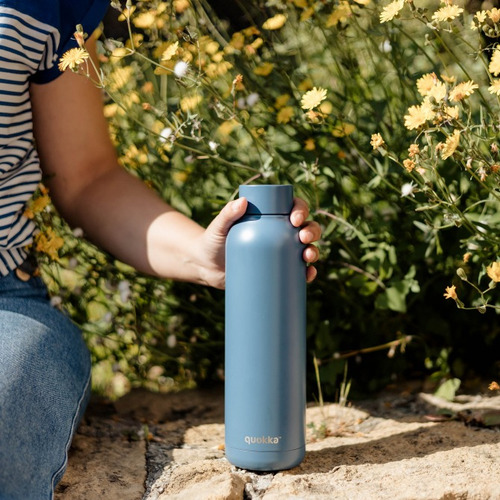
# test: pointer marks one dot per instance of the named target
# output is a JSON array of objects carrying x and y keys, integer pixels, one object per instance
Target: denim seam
[{"x": 71, "y": 434}]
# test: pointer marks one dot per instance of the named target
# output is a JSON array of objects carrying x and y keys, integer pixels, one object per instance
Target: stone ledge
[{"x": 155, "y": 447}]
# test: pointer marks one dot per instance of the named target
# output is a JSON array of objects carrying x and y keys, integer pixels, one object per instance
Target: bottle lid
[{"x": 270, "y": 199}]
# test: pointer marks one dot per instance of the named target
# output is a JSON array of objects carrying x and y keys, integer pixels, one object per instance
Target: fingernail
[
  {"x": 297, "y": 220},
  {"x": 236, "y": 206}
]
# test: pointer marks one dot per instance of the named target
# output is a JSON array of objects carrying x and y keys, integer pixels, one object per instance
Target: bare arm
[{"x": 116, "y": 210}]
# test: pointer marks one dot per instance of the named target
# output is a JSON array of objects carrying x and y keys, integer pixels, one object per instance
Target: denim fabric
[{"x": 44, "y": 388}]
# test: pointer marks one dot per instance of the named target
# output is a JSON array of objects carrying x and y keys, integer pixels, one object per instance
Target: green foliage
[
  {"x": 320, "y": 95},
  {"x": 448, "y": 389}
]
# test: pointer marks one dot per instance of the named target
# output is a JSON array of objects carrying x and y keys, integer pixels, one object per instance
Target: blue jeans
[{"x": 44, "y": 388}]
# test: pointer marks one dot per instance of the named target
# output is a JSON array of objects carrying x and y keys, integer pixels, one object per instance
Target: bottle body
[{"x": 265, "y": 358}]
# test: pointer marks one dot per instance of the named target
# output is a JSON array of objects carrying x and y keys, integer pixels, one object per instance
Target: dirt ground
[{"x": 401, "y": 445}]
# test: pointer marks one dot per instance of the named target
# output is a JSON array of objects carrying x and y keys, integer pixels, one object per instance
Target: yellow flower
[
  {"x": 181, "y": 5},
  {"x": 210, "y": 47},
  {"x": 126, "y": 13},
  {"x": 238, "y": 84},
  {"x": 343, "y": 130},
  {"x": 415, "y": 117},
  {"x": 418, "y": 115},
  {"x": 72, "y": 59},
  {"x": 170, "y": 51},
  {"x": 306, "y": 14},
  {"x": 264, "y": 69},
  {"x": 376, "y": 141},
  {"x": 313, "y": 98},
  {"x": 281, "y": 101},
  {"x": 451, "y": 112},
  {"x": 190, "y": 102},
  {"x": 408, "y": 164},
  {"x": 305, "y": 85},
  {"x": 133, "y": 157},
  {"x": 326, "y": 107},
  {"x": 111, "y": 110},
  {"x": 447, "y": 13},
  {"x": 144, "y": 20},
  {"x": 237, "y": 40},
  {"x": 213, "y": 70},
  {"x": 120, "y": 77},
  {"x": 339, "y": 15},
  {"x": 284, "y": 114},
  {"x": 451, "y": 292},
  {"x": 494, "y": 386},
  {"x": 493, "y": 271},
  {"x": 494, "y": 88},
  {"x": 225, "y": 128},
  {"x": 275, "y": 23},
  {"x": 494, "y": 14},
  {"x": 391, "y": 10},
  {"x": 448, "y": 79},
  {"x": 255, "y": 45},
  {"x": 309, "y": 144},
  {"x": 36, "y": 206},
  {"x": 450, "y": 145},
  {"x": 481, "y": 16},
  {"x": 314, "y": 117},
  {"x": 426, "y": 82},
  {"x": 438, "y": 91},
  {"x": 181, "y": 177},
  {"x": 494, "y": 67},
  {"x": 118, "y": 53},
  {"x": 49, "y": 243},
  {"x": 413, "y": 150},
  {"x": 463, "y": 90}
]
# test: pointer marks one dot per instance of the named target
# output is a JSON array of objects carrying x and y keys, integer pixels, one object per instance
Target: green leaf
[
  {"x": 393, "y": 298},
  {"x": 448, "y": 389}
]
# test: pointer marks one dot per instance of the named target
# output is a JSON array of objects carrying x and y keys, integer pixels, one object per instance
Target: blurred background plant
[{"x": 384, "y": 117}]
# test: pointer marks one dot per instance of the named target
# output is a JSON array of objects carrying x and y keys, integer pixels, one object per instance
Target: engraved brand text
[{"x": 262, "y": 439}]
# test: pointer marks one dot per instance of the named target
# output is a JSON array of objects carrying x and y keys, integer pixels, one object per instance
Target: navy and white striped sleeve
[{"x": 33, "y": 35}]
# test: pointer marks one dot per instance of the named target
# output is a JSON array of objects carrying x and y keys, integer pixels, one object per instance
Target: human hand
[{"x": 214, "y": 239}]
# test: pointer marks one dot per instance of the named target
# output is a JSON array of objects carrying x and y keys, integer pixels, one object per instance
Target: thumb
[{"x": 233, "y": 211}]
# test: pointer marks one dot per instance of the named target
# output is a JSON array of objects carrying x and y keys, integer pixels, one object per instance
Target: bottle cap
[{"x": 271, "y": 199}]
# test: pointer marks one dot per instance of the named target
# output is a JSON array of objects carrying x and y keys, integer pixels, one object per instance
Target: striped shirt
[{"x": 33, "y": 36}]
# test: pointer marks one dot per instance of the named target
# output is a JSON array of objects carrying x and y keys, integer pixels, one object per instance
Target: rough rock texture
[{"x": 400, "y": 446}]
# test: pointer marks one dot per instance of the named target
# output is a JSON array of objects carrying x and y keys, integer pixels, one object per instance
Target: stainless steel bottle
[{"x": 265, "y": 352}]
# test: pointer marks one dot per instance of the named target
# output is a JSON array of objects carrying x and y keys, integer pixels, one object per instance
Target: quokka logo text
[{"x": 262, "y": 439}]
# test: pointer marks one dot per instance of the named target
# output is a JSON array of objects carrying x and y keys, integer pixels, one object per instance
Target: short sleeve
[{"x": 70, "y": 14}]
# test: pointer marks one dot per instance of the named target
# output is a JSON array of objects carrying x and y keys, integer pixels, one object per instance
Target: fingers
[
  {"x": 310, "y": 232},
  {"x": 233, "y": 211},
  {"x": 310, "y": 254},
  {"x": 311, "y": 274},
  {"x": 300, "y": 212}
]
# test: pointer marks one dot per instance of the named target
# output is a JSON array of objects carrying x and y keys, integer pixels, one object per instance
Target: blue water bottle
[{"x": 265, "y": 348}]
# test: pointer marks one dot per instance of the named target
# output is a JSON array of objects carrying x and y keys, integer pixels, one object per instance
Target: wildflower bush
[{"x": 384, "y": 117}]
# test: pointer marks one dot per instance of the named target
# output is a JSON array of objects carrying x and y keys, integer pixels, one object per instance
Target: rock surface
[{"x": 400, "y": 446}]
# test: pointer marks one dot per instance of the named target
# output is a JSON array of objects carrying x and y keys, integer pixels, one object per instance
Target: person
[{"x": 44, "y": 363}]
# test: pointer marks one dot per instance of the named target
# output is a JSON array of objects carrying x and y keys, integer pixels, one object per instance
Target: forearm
[{"x": 120, "y": 214}]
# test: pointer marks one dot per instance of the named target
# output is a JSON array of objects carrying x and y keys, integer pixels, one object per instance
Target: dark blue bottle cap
[{"x": 271, "y": 199}]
